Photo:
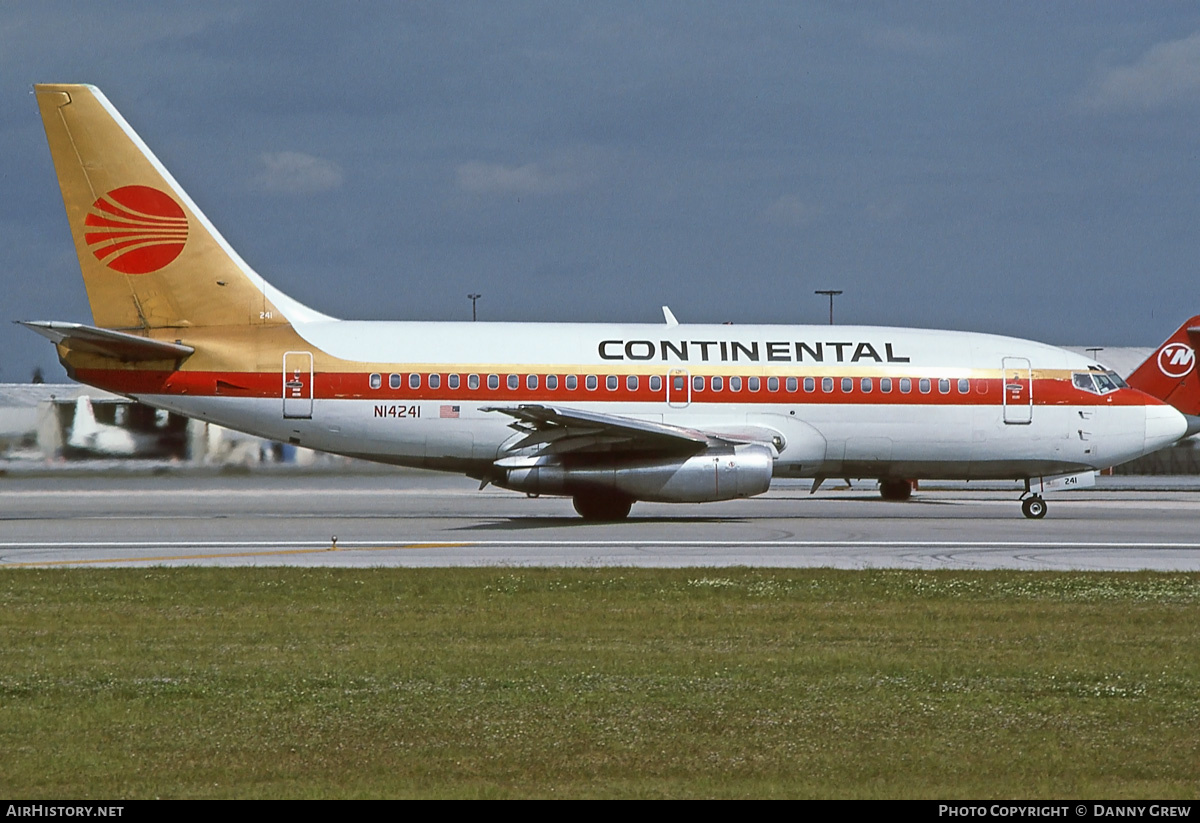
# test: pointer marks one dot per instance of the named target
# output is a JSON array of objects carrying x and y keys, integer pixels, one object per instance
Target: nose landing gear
[{"x": 1033, "y": 507}]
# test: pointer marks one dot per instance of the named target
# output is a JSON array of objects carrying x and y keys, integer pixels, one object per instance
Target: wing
[{"x": 558, "y": 430}]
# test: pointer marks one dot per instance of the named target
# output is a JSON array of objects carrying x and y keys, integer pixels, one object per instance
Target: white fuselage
[{"x": 956, "y": 404}]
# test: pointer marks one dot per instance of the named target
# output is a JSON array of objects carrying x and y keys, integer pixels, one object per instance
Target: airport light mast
[{"x": 473, "y": 298}]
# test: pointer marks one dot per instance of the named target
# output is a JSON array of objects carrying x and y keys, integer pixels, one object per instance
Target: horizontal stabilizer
[{"x": 119, "y": 344}]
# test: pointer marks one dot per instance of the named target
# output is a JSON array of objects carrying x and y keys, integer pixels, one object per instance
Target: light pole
[
  {"x": 832, "y": 294},
  {"x": 473, "y": 298}
]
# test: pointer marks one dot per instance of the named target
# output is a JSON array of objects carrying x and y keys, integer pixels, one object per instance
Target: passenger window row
[{"x": 714, "y": 383}]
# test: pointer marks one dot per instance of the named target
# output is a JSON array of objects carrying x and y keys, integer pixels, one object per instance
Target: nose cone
[{"x": 1164, "y": 425}]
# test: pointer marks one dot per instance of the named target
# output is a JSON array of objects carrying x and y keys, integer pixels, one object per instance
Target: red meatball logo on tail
[{"x": 136, "y": 229}]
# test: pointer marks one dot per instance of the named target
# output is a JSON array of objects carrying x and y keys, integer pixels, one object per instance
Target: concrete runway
[{"x": 417, "y": 519}]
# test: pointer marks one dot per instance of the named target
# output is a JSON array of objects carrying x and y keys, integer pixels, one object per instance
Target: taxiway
[{"x": 417, "y": 519}]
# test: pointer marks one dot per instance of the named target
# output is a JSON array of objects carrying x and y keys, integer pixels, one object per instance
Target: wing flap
[
  {"x": 558, "y": 430},
  {"x": 552, "y": 429}
]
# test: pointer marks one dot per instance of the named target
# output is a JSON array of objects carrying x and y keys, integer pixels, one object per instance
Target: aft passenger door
[
  {"x": 1018, "y": 390},
  {"x": 297, "y": 384}
]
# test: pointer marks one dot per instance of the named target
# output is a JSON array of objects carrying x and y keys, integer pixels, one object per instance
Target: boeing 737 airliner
[{"x": 607, "y": 414}]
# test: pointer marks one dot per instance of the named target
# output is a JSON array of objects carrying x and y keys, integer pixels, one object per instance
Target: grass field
[{"x": 597, "y": 683}]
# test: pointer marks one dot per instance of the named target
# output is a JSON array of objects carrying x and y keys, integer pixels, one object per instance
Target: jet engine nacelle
[{"x": 723, "y": 473}]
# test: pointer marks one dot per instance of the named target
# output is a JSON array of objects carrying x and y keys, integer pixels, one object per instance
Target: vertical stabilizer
[
  {"x": 1170, "y": 372},
  {"x": 84, "y": 428},
  {"x": 150, "y": 258}
]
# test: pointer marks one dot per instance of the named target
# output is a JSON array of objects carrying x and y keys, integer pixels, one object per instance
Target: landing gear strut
[
  {"x": 602, "y": 507},
  {"x": 1033, "y": 507}
]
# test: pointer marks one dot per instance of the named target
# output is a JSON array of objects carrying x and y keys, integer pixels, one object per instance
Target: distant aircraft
[
  {"x": 106, "y": 440},
  {"x": 1169, "y": 373},
  {"x": 607, "y": 414},
  {"x": 90, "y": 435}
]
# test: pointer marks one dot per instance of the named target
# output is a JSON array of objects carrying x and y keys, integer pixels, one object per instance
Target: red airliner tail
[{"x": 1170, "y": 372}]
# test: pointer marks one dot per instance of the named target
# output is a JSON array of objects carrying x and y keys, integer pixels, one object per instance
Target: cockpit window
[
  {"x": 1105, "y": 383},
  {"x": 1098, "y": 382}
]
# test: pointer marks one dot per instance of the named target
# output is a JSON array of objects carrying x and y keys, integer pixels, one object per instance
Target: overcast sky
[{"x": 1026, "y": 169}]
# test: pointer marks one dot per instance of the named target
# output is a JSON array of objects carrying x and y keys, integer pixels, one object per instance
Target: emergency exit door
[{"x": 679, "y": 389}]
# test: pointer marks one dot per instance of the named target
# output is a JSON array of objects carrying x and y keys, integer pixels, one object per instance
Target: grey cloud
[
  {"x": 294, "y": 172},
  {"x": 563, "y": 173},
  {"x": 790, "y": 211},
  {"x": 1166, "y": 74},
  {"x": 911, "y": 40}
]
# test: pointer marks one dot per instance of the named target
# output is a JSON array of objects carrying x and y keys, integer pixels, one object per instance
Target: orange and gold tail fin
[{"x": 150, "y": 258}]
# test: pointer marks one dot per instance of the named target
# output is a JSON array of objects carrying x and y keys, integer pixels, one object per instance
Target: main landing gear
[
  {"x": 602, "y": 507},
  {"x": 1033, "y": 507},
  {"x": 895, "y": 490}
]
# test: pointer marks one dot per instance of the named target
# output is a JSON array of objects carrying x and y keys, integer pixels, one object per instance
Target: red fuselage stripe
[{"x": 356, "y": 386}]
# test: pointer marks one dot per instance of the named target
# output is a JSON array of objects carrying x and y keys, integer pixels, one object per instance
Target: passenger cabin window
[
  {"x": 865, "y": 384},
  {"x": 810, "y": 384},
  {"x": 735, "y": 384},
  {"x": 772, "y": 384},
  {"x": 472, "y": 382},
  {"x": 827, "y": 384},
  {"x": 677, "y": 383},
  {"x": 847, "y": 385},
  {"x": 493, "y": 381},
  {"x": 552, "y": 381},
  {"x": 435, "y": 381},
  {"x": 572, "y": 382},
  {"x": 414, "y": 381},
  {"x": 531, "y": 382},
  {"x": 791, "y": 384},
  {"x": 656, "y": 383},
  {"x": 885, "y": 384},
  {"x": 375, "y": 381},
  {"x": 717, "y": 383},
  {"x": 905, "y": 385},
  {"x": 964, "y": 385},
  {"x": 631, "y": 382},
  {"x": 394, "y": 381},
  {"x": 611, "y": 382},
  {"x": 452, "y": 381},
  {"x": 514, "y": 382},
  {"x": 944, "y": 386},
  {"x": 591, "y": 382},
  {"x": 752, "y": 383},
  {"x": 697, "y": 384},
  {"x": 924, "y": 385}
]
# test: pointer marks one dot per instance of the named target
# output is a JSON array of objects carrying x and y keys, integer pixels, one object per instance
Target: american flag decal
[{"x": 448, "y": 411}]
